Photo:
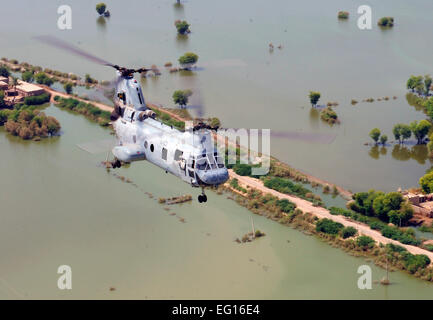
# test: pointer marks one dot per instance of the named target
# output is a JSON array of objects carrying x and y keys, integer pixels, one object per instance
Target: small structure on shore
[{"x": 422, "y": 204}]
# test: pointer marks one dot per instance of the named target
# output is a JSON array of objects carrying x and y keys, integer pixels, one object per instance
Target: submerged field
[{"x": 59, "y": 207}]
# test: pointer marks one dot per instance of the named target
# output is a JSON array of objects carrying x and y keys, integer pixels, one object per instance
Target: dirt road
[{"x": 320, "y": 212}]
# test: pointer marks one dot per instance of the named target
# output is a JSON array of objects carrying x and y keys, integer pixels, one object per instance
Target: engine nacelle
[{"x": 129, "y": 153}]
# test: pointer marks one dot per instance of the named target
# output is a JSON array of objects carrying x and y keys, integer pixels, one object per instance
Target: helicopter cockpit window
[
  {"x": 178, "y": 154},
  {"x": 202, "y": 163},
  {"x": 220, "y": 161},
  {"x": 122, "y": 96}
]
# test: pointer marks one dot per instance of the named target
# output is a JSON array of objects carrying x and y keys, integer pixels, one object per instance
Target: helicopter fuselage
[{"x": 190, "y": 155}]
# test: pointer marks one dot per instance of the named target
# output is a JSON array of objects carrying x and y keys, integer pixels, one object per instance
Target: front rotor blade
[{"x": 100, "y": 146}]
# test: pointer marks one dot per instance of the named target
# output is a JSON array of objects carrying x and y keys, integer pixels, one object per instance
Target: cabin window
[
  {"x": 132, "y": 116},
  {"x": 134, "y": 138},
  {"x": 145, "y": 144},
  {"x": 164, "y": 154},
  {"x": 139, "y": 96},
  {"x": 178, "y": 154},
  {"x": 152, "y": 147}
]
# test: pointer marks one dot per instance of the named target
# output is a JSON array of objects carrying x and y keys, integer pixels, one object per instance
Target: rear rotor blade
[{"x": 60, "y": 44}]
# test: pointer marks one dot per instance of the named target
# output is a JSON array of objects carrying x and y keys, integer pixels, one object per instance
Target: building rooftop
[{"x": 28, "y": 87}]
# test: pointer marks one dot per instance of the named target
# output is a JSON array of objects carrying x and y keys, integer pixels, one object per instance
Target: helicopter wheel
[
  {"x": 116, "y": 164},
  {"x": 202, "y": 198}
]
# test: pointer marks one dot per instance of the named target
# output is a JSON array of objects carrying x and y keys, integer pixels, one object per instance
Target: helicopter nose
[{"x": 214, "y": 177}]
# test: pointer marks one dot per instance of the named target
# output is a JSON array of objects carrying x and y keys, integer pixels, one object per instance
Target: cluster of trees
[
  {"x": 377, "y": 136},
  {"x": 386, "y": 22},
  {"x": 388, "y": 207},
  {"x": 28, "y": 122},
  {"x": 335, "y": 228},
  {"x": 42, "y": 78},
  {"x": 182, "y": 27},
  {"x": 88, "y": 110},
  {"x": 420, "y": 85},
  {"x": 403, "y": 132},
  {"x": 188, "y": 60}
]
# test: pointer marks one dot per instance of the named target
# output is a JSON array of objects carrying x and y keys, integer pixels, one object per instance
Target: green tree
[
  {"x": 411, "y": 83},
  {"x": 2, "y": 99},
  {"x": 383, "y": 139},
  {"x": 100, "y": 8},
  {"x": 68, "y": 87},
  {"x": 182, "y": 26},
  {"x": 314, "y": 97},
  {"x": 426, "y": 182},
  {"x": 420, "y": 129},
  {"x": 4, "y": 72},
  {"x": 427, "y": 84},
  {"x": 27, "y": 76},
  {"x": 180, "y": 97},
  {"x": 405, "y": 131},
  {"x": 396, "y": 131},
  {"x": 375, "y": 134},
  {"x": 188, "y": 59}
]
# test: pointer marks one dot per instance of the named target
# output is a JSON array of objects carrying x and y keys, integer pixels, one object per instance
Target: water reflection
[
  {"x": 412, "y": 100},
  {"x": 402, "y": 152},
  {"x": 314, "y": 117},
  {"x": 182, "y": 41},
  {"x": 178, "y": 9},
  {"x": 374, "y": 152},
  {"x": 101, "y": 23}
]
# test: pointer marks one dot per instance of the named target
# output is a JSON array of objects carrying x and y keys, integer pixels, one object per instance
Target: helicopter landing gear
[
  {"x": 202, "y": 197},
  {"x": 116, "y": 164}
]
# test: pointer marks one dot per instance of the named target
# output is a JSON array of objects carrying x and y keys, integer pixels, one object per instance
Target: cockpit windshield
[{"x": 209, "y": 161}]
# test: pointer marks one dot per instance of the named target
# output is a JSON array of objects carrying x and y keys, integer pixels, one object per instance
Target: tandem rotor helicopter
[{"x": 189, "y": 155}]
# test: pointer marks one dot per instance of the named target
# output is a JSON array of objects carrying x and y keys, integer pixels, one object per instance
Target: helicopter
[{"x": 190, "y": 155}]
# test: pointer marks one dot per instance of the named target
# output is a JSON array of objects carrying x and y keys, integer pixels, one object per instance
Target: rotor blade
[
  {"x": 99, "y": 146},
  {"x": 60, "y": 44},
  {"x": 309, "y": 137}
]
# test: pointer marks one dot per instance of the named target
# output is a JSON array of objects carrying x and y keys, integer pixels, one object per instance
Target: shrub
[
  {"x": 37, "y": 100},
  {"x": 386, "y": 22},
  {"x": 286, "y": 206},
  {"x": 365, "y": 242},
  {"x": 328, "y": 226},
  {"x": 42, "y": 78},
  {"x": 182, "y": 26},
  {"x": 348, "y": 232},
  {"x": 343, "y": 15},
  {"x": 188, "y": 58}
]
